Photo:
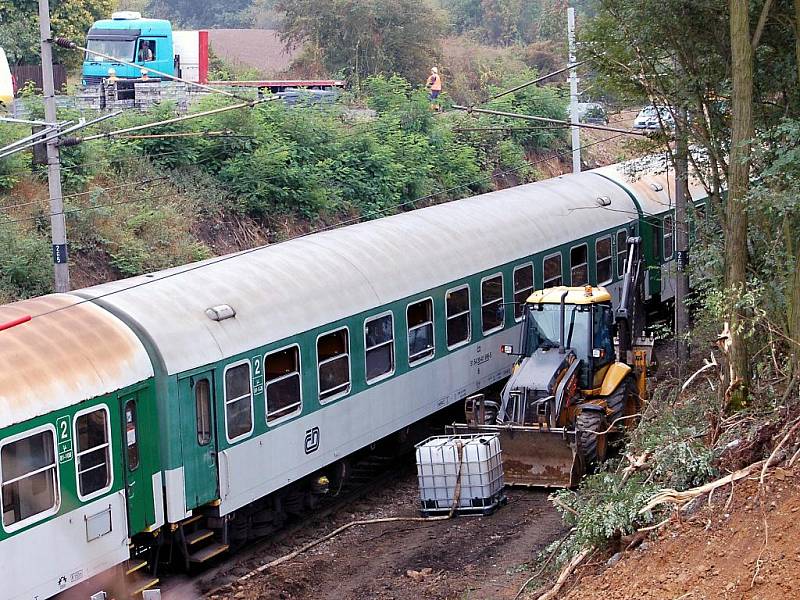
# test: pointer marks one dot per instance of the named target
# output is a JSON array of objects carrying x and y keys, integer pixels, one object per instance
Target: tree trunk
[
  {"x": 738, "y": 182},
  {"x": 792, "y": 245}
]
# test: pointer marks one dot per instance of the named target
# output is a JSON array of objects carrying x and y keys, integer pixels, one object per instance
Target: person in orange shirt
[{"x": 434, "y": 83}]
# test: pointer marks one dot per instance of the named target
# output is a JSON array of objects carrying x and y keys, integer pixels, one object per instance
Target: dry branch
[
  {"x": 708, "y": 365},
  {"x": 669, "y": 496},
  {"x": 562, "y": 578},
  {"x": 772, "y": 456}
]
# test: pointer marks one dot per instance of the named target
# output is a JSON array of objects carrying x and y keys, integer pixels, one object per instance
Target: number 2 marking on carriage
[
  {"x": 64, "y": 440},
  {"x": 258, "y": 377}
]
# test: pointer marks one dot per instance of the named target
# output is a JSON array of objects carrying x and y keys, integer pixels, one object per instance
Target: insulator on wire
[
  {"x": 70, "y": 141},
  {"x": 65, "y": 43}
]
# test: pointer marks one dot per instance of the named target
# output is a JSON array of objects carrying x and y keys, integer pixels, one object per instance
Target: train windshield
[
  {"x": 121, "y": 49},
  {"x": 543, "y": 327}
]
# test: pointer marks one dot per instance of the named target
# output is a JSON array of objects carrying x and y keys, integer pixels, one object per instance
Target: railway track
[{"x": 369, "y": 474}]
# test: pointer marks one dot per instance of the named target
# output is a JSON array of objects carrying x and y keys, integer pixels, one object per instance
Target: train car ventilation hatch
[{"x": 220, "y": 312}]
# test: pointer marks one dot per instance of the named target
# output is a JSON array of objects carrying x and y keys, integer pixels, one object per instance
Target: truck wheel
[
  {"x": 619, "y": 403},
  {"x": 592, "y": 446}
]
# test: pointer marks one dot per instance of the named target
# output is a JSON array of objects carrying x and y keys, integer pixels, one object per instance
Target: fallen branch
[
  {"x": 772, "y": 456},
  {"x": 544, "y": 566},
  {"x": 669, "y": 496},
  {"x": 708, "y": 365},
  {"x": 345, "y": 527},
  {"x": 560, "y": 504},
  {"x": 635, "y": 464},
  {"x": 333, "y": 534},
  {"x": 562, "y": 578}
]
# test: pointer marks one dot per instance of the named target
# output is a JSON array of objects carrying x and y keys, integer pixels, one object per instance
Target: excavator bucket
[{"x": 533, "y": 456}]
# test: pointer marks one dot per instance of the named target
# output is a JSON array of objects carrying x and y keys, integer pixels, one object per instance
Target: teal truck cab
[{"x": 126, "y": 35}]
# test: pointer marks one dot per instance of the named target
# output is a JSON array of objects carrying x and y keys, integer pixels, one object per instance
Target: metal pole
[
  {"x": 573, "y": 94},
  {"x": 57, "y": 219},
  {"x": 681, "y": 236}
]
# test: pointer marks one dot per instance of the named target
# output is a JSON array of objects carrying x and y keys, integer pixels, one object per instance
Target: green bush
[{"x": 25, "y": 267}]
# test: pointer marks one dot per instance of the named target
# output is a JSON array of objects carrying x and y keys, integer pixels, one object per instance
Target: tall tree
[
  {"x": 738, "y": 183},
  {"x": 733, "y": 63},
  {"x": 366, "y": 37},
  {"x": 205, "y": 13},
  {"x": 19, "y": 26}
]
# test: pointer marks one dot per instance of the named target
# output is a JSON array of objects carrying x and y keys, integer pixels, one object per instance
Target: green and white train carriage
[
  {"x": 257, "y": 370},
  {"x": 271, "y": 365},
  {"x": 78, "y": 446}
]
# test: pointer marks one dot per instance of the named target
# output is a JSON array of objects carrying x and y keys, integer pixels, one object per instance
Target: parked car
[
  {"x": 589, "y": 112},
  {"x": 651, "y": 118},
  {"x": 592, "y": 112}
]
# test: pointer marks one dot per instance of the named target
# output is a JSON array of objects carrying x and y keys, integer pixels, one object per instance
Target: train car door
[
  {"x": 198, "y": 439},
  {"x": 138, "y": 456}
]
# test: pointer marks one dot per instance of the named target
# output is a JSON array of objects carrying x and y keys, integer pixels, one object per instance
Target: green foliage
[
  {"x": 25, "y": 268},
  {"x": 19, "y": 27},
  {"x": 12, "y": 167},
  {"x": 367, "y": 38},
  {"x": 671, "y": 437},
  {"x": 206, "y": 14},
  {"x": 606, "y": 508},
  {"x": 508, "y": 22}
]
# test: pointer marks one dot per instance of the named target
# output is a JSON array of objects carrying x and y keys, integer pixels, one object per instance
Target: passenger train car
[{"x": 177, "y": 413}]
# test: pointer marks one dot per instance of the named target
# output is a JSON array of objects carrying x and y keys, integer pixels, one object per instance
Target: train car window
[
  {"x": 622, "y": 251},
  {"x": 333, "y": 364},
  {"x": 523, "y": 287},
  {"x": 93, "y": 452},
  {"x": 132, "y": 434},
  {"x": 579, "y": 264},
  {"x": 238, "y": 401},
  {"x": 459, "y": 329},
  {"x": 493, "y": 314},
  {"x": 283, "y": 390},
  {"x": 421, "y": 345},
  {"x": 602, "y": 253},
  {"x": 29, "y": 478},
  {"x": 669, "y": 238},
  {"x": 202, "y": 407},
  {"x": 655, "y": 242},
  {"x": 552, "y": 271},
  {"x": 379, "y": 345}
]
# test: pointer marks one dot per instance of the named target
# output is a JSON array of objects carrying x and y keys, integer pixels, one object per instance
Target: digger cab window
[
  {"x": 544, "y": 331},
  {"x": 602, "y": 337}
]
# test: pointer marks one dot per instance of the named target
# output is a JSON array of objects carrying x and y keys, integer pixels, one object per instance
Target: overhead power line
[
  {"x": 533, "y": 82},
  {"x": 500, "y": 113},
  {"x": 205, "y": 113}
]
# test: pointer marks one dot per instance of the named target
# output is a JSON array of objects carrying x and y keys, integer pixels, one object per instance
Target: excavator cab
[{"x": 569, "y": 394}]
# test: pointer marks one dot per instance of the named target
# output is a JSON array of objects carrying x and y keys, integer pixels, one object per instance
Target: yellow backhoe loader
[{"x": 571, "y": 391}]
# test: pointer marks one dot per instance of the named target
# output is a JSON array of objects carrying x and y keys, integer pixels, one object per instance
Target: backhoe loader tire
[
  {"x": 592, "y": 444},
  {"x": 619, "y": 403}
]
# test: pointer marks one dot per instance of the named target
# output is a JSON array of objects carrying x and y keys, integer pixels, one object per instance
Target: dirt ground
[
  {"x": 466, "y": 557},
  {"x": 716, "y": 554}
]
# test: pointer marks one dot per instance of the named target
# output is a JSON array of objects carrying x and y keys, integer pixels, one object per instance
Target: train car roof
[
  {"x": 69, "y": 352},
  {"x": 651, "y": 182},
  {"x": 294, "y": 286}
]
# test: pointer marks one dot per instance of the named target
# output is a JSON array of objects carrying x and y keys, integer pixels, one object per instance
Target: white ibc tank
[{"x": 476, "y": 459}]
